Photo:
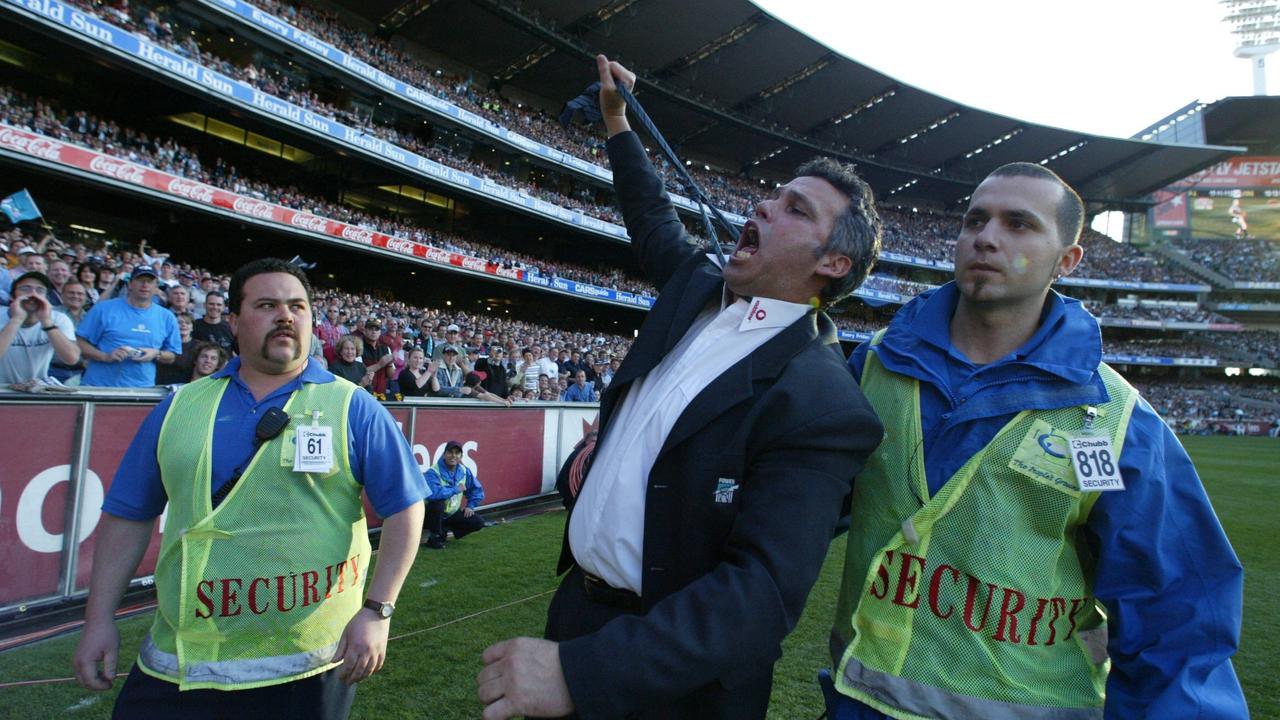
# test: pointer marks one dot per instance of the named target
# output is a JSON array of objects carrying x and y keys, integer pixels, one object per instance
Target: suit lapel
[
  {"x": 738, "y": 382},
  {"x": 666, "y": 324}
]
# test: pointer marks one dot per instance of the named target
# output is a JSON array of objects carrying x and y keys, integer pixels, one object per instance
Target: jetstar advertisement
[{"x": 1233, "y": 200}]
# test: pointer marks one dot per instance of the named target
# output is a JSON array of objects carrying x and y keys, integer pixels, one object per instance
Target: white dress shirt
[{"x": 606, "y": 531}]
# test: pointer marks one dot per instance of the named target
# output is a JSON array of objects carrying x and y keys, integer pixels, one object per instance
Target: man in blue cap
[{"x": 123, "y": 338}]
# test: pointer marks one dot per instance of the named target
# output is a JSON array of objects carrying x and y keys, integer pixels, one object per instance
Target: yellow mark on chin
[{"x": 1021, "y": 263}]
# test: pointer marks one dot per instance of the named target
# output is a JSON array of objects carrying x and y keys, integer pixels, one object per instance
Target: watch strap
[{"x": 383, "y": 609}]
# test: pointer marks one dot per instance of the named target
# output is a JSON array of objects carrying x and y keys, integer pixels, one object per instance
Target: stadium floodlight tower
[{"x": 1257, "y": 25}]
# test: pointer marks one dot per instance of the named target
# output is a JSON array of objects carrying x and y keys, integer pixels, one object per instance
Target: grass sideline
[{"x": 508, "y": 571}]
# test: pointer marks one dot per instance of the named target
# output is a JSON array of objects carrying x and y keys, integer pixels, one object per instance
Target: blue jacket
[
  {"x": 443, "y": 484},
  {"x": 1170, "y": 582}
]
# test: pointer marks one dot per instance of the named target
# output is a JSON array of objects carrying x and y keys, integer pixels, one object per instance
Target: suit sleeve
[
  {"x": 657, "y": 236},
  {"x": 728, "y": 625},
  {"x": 1171, "y": 584}
]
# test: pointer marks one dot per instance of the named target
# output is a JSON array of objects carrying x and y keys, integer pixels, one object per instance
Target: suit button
[{"x": 655, "y": 568}]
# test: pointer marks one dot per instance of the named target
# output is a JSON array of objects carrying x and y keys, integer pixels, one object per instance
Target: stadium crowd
[
  {"x": 1241, "y": 260},
  {"x": 79, "y": 126},
  {"x": 286, "y": 81},
  {"x": 1156, "y": 312},
  {"x": 494, "y": 358},
  {"x": 508, "y": 360},
  {"x": 1106, "y": 258},
  {"x": 927, "y": 236},
  {"x": 1206, "y": 406},
  {"x": 48, "y": 118},
  {"x": 920, "y": 234}
]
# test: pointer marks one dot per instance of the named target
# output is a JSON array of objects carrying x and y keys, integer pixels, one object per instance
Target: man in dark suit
[{"x": 728, "y": 441}]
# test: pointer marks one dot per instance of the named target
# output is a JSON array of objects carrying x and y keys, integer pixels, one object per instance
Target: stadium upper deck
[
  {"x": 931, "y": 257},
  {"x": 718, "y": 97}
]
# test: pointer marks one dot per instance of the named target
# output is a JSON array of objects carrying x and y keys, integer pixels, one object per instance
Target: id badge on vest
[
  {"x": 1093, "y": 458},
  {"x": 313, "y": 449}
]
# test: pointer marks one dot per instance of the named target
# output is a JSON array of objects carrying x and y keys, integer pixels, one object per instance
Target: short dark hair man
[
  {"x": 727, "y": 442},
  {"x": 580, "y": 390},
  {"x": 1023, "y": 495},
  {"x": 449, "y": 481},
  {"x": 290, "y": 528},
  {"x": 213, "y": 326}
]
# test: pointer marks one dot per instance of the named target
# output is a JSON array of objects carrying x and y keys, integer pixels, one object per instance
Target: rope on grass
[{"x": 478, "y": 613}]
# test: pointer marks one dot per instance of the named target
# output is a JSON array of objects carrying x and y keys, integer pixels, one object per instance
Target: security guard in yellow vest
[
  {"x": 264, "y": 559},
  {"x": 1029, "y": 540},
  {"x": 448, "y": 482}
]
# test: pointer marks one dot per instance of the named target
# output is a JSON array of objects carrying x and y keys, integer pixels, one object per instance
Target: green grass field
[{"x": 497, "y": 584}]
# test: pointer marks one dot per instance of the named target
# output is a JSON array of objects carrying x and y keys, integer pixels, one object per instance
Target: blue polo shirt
[
  {"x": 573, "y": 393},
  {"x": 379, "y": 455},
  {"x": 115, "y": 323}
]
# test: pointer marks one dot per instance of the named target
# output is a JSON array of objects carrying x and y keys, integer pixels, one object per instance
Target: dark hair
[
  {"x": 1069, "y": 215},
  {"x": 203, "y": 345},
  {"x": 199, "y": 349},
  {"x": 34, "y": 275},
  {"x": 857, "y": 231},
  {"x": 262, "y": 266}
]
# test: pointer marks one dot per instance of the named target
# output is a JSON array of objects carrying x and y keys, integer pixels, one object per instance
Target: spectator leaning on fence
[
  {"x": 580, "y": 390},
  {"x": 32, "y": 332},
  {"x": 123, "y": 338},
  {"x": 447, "y": 381}
]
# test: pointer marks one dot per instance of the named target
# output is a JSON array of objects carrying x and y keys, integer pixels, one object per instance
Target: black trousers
[
  {"x": 461, "y": 525},
  {"x": 319, "y": 697}
]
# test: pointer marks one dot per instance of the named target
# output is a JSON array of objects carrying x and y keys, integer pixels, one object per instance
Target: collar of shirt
[
  {"x": 762, "y": 312},
  {"x": 765, "y": 313},
  {"x": 933, "y": 324},
  {"x": 311, "y": 373}
]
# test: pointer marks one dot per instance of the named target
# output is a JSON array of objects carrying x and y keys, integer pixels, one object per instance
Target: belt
[{"x": 600, "y": 591}]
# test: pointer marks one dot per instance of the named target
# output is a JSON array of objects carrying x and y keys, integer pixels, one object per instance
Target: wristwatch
[{"x": 384, "y": 609}]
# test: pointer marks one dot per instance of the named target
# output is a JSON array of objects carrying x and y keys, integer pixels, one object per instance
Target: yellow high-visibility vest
[
  {"x": 976, "y": 602},
  {"x": 258, "y": 591}
]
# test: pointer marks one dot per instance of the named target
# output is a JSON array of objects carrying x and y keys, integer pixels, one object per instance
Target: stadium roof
[{"x": 726, "y": 81}]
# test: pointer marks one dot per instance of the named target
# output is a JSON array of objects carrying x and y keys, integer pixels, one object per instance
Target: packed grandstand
[{"x": 431, "y": 194}]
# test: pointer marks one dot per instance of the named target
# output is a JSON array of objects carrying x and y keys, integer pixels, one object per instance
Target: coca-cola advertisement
[
  {"x": 197, "y": 191},
  {"x": 30, "y": 144},
  {"x": 119, "y": 169},
  {"x": 105, "y": 165}
]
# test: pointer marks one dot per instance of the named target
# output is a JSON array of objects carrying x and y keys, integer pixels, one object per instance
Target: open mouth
[{"x": 748, "y": 242}]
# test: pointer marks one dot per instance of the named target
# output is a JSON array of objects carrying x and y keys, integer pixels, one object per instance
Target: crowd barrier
[{"x": 61, "y": 453}]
